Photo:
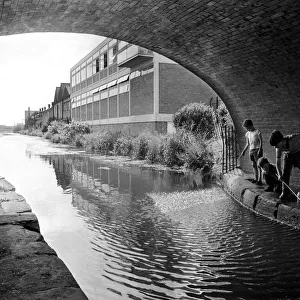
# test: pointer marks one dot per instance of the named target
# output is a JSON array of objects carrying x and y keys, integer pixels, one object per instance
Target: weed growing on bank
[{"x": 194, "y": 146}]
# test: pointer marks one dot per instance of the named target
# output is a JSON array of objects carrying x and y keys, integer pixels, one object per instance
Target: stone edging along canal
[
  {"x": 257, "y": 200},
  {"x": 30, "y": 268}
]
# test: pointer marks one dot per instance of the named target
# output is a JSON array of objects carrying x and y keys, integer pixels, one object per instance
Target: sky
[{"x": 31, "y": 67}]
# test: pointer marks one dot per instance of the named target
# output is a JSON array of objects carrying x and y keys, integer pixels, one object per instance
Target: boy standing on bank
[{"x": 255, "y": 144}]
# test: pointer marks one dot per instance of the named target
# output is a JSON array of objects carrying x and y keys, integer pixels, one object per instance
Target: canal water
[{"x": 133, "y": 233}]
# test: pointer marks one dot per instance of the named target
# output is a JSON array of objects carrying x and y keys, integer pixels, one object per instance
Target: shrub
[
  {"x": 101, "y": 141},
  {"x": 155, "y": 149},
  {"x": 79, "y": 141},
  {"x": 195, "y": 117},
  {"x": 55, "y": 138},
  {"x": 55, "y": 127},
  {"x": 67, "y": 132},
  {"x": 123, "y": 146},
  {"x": 196, "y": 154},
  {"x": 223, "y": 115},
  {"x": 140, "y": 145},
  {"x": 172, "y": 148}
]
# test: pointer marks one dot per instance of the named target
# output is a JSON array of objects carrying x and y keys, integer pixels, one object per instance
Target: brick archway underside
[{"x": 247, "y": 51}]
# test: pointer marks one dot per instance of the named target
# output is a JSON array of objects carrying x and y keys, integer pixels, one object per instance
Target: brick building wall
[
  {"x": 178, "y": 87},
  {"x": 113, "y": 107},
  {"x": 133, "y": 128},
  {"x": 141, "y": 95},
  {"x": 96, "y": 110},
  {"x": 103, "y": 109},
  {"x": 124, "y": 104},
  {"x": 89, "y": 111}
]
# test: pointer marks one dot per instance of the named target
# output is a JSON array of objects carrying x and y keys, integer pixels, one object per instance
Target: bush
[
  {"x": 172, "y": 148},
  {"x": 223, "y": 115},
  {"x": 79, "y": 141},
  {"x": 140, "y": 145},
  {"x": 155, "y": 149},
  {"x": 123, "y": 146},
  {"x": 55, "y": 138},
  {"x": 67, "y": 132},
  {"x": 55, "y": 127},
  {"x": 196, "y": 154},
  {"x": 196, "y": 118},
  {"x": 101, "y": 141}
]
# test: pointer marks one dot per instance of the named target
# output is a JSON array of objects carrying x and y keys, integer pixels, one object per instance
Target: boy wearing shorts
[{"x": 254, "y": 143}]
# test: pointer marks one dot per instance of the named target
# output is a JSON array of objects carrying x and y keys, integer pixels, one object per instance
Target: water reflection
[{"x": 212, "y": 250}]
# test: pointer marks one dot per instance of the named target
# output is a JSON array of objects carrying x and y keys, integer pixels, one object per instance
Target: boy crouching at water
[{"x": 270, "y": 175}]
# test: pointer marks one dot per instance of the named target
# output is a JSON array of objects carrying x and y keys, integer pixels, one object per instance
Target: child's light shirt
[{"x": 254, "y": 139}]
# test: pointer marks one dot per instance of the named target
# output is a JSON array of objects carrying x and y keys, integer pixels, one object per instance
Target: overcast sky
[{"x": 33, "y": 65}]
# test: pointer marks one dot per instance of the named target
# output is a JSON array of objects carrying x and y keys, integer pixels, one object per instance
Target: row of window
[
  {"x": 114, "y": 90},
  {"x": 106, "y": 56},
  {"x": 89, "y": 97}
]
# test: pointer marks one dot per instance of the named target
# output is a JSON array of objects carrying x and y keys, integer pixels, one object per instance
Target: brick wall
[
  {"x": 113, "y": 107},
  {"x": 96, "y": 111},
  {"x": 103, "y": 109},
  {"x": 124, "y": 104},
  {"x": 83, "y": 112},
  {"x": 178, "y": 87},
  {"x": 141, "y": 95},
  {"x": 89, "y": 111},
  {"x": 134, "y": 128}
]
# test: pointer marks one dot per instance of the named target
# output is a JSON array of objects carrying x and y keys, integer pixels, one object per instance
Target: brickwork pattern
[
  {"x": 177, "y": 87},
  {"x": 103, "y": 109},
  {"x": 96, "y": 110},
  {"x": 124, "y": 104},
  {"x": 113, "y": 107},
  {"x": 134, "y": 128},
  {"x": 141, "y": 95},
  {"x": 247, "y": 51}
]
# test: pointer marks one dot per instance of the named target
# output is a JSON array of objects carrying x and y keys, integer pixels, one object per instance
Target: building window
[
  {"x": 73, "y": 80},
  {"x": 113, "y": 91},
  {"x": 135, "y": 74},
  {"x": 83, "y": 74},
  {"x": 77, "y": 78},
  {"x": 103, "y": 61},
  {"x": 104, "y": 94},
  {"x": 96, "y": 97},
  {"x": 112, "y": 55},
  {"x": 123, "y": 87},
  {"x": 96, "y": 66}
]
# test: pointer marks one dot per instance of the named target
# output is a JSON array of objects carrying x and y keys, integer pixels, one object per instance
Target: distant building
[
  {"x": 121, "y": 86},
  {"x": 61, "y": 103},
  {"x": 59, "y": 109},
  {"x": 28, "y": 115}
]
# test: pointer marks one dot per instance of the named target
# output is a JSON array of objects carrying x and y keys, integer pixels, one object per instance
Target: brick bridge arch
[{"x": 247, "y": 51}]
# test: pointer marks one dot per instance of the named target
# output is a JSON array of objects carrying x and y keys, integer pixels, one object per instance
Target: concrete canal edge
[
  {"x": 29, "y": 267},
  {"x": 257, "y": 200}
]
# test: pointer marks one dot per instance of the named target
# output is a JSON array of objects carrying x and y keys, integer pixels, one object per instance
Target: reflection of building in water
[
  {"x": 62, "y": 167},
  {"x": 124, "y": 221}
]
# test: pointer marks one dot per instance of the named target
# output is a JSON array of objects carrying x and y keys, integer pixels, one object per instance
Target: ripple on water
[{"x": 145, "y": 238}]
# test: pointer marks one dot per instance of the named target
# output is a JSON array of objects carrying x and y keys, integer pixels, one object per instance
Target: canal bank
[
  {"x": 30, "y": 268},
  {"x": 253, "y": 197}
]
